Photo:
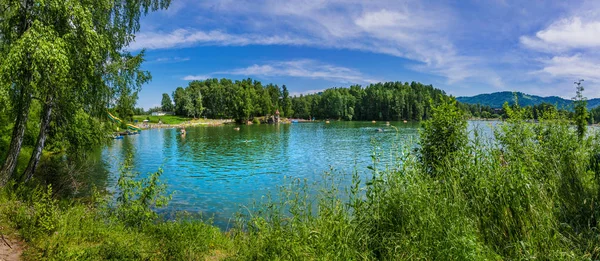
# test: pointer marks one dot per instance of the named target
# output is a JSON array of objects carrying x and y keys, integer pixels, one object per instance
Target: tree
[
  {"x": 182, "y": 101},
  {"x": 195, "y": 107},
  {"x": 125, "y": 106},
  {"x": 581, "y": 113},
  {"x": 350, "y": 113},
  {"x": 65, "y": 55},
  {"x": 166, "y": 103},
  {"x": 275, "y": 94},
  {"x": 286, "y": 102}
]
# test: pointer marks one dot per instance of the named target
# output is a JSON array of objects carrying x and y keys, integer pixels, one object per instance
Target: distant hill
[{"x": 497, "y": 99}]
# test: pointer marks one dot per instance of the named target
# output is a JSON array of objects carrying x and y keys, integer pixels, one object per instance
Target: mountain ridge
[{"x": 497, "y": 99}]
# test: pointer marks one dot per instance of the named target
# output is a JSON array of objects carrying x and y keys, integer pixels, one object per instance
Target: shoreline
[{"x": 192, "y": 123}]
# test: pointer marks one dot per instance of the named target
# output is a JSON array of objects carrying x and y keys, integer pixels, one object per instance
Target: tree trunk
[
  {"x": 39, "y": 145},
  {"x": 17, "y": 138},
  {"x": 24, "y": 102}
]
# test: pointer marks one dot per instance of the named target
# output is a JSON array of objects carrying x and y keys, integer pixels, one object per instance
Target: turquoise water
[{"x": 215, "y": 170}]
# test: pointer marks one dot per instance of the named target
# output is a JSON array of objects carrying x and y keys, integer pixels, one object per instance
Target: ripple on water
[{"x": 214, "y": 170}]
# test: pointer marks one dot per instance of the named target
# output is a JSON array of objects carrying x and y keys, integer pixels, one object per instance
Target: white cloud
[
  {"x": 304, "y": 69},
  {"x": 196, "y": 77},
  {"x": 170, "y": 60},
  {"x": 185, "y": 38},
  {"x": 570, "y": 51},
  {"x": 384, "y": 18},
  {"x": 406, "y": 29},
  {"x": 566, "y": 34},
  {"x": 572, "y": 68}
]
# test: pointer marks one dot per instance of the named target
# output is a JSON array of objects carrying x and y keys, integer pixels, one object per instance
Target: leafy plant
[
  {"x": 442, "y": 136},
  {"x": 137, "y": 198}
]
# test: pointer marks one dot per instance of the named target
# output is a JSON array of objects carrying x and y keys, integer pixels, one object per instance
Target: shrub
[
  {"x": 137, "y": 198},
  {"x": 442, "y": 135}
]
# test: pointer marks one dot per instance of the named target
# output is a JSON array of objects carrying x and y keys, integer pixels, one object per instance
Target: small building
[{"x": 162, "y": 113}]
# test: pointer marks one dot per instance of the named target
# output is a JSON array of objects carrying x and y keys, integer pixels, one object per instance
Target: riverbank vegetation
[{"x": 529, "y": 193}]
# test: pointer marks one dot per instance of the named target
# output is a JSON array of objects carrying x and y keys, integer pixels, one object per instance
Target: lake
[{"x": 214, "y": 170}]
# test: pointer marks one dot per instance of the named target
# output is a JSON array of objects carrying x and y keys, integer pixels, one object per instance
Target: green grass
[
  {"x": 83, "y": 232},
  {"x": 173, "y": 119},
  {"x": 166, "y": 119}
]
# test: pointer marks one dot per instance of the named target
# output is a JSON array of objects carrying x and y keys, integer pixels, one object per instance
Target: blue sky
[{"x": 464, "y": 47}]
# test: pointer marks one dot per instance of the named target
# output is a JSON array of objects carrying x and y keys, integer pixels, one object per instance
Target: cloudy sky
[{"x": 464, "y": 47}]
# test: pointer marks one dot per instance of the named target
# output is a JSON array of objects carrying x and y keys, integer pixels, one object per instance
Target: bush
[
  {"x": 137, "y": 199},
  {"x": 442, "y": 136}
]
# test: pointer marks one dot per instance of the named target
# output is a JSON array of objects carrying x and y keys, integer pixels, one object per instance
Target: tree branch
[{"x": 5, "y": 242}]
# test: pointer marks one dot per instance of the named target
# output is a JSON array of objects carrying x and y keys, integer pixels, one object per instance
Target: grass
[
  {"x": 82, "y": 232},
  {"x": 166, "y": 119},
  {"x": 174, "y": 120},
  {"x": 531, "y": 193}
]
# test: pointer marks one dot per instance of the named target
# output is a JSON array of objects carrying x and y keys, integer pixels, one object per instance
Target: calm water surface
[{"x": 215, "y": 170}]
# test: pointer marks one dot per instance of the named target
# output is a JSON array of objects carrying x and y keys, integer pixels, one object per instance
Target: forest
[{"x": 246, "y": 99}]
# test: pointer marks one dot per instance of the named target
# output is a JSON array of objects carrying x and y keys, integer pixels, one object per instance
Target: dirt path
[{"x": 10, "y": 250}]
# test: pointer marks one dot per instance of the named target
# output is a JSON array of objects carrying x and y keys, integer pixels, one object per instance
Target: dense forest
[
  {"x": 246, "y": 99},
  {"x": 240, "y": 100},
  {"x": 381, "y": 101}
]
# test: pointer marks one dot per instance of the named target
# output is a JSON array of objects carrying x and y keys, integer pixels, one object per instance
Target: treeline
[
  {"x": 380, "y": 101},
  {"x": 529, "y": 112},
  {"x": 224, "y": 98},
  {"x": 246, "y": 99},
  {"x": 534, "y": 112}
]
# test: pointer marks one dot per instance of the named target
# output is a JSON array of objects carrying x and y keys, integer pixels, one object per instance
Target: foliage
[
  {"x": 286, "y": 102},
  {"x": 40, "y": 217},
  {"x": 69, "y": 56},
  {"x": 72, "y": 230},
  {"x": 442, "y": 136},
  {"x": 246, "y": 99},
  {"x": 381, "y": 101},
  {"x": 127, "y": 80},
  {"x": 182, "y": 101},
  {"x": 166, "y": 103},
  {"x": 76, "y": 134},
  {"x": 137, "y": 198},
  {"x": 581, "y": 114},
  {"x": 240, "y": 100}
]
